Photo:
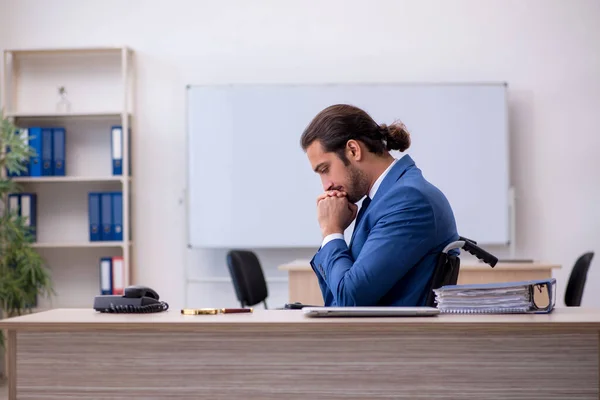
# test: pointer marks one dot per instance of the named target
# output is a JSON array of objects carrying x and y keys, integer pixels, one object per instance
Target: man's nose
[{"x": 327, "y": 184}]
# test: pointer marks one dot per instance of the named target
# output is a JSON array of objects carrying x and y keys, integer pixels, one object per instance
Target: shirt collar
[{"x": 377, "y": 183}]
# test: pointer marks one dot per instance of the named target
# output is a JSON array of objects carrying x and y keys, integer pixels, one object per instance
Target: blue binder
[
  {"x": 28, "y": 208},
  {"x": 47, "y": 153},
  {"x": 117, "y": 149},
  {"x": 106, "y": 275},
  {"x": 94, "y": 216},
  {"x": 497, "y": 297},
  {"x": 58, "y": 140},
  {"x": 35, "y": 141},
  {"x": 117, "y": 209},
  {"x": 106, "y": 217}
]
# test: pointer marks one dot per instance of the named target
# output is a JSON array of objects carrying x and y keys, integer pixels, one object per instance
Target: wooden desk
[
  {"x": 79, "y": 354},
  {"x": 304, "y": 288}
]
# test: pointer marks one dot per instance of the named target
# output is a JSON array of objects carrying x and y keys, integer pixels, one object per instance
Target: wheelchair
[{"x": 448, "y": 265}]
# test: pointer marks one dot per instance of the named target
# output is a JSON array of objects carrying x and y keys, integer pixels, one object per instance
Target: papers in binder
[{"x": 535, "y": 296}]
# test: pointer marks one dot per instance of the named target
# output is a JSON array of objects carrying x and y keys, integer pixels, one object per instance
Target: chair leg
[{"x": 265, "y": 303}]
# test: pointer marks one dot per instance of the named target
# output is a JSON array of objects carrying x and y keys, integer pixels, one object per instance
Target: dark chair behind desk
[
  {"x": 577, "y": 279},
  {"x": 448, "y": 265},
  {"x": 248, "y": 278}
]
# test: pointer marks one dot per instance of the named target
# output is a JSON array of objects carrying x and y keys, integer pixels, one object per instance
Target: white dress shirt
[{"x": 372, "y": 192}]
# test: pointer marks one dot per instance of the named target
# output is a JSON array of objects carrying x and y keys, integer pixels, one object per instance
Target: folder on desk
[
  {"x": 106, "y": 217},
  {"x": 58, "y": 142},
  {"x": 35, "y": 141},
  {"x": 94, "y": 216},
  {"x": 29, "y": 212},
  {"x": 498, "y": 298},
  {"x": 117, "y": 149},
  {"x": 47, "y": 152},
  {"x": 117, "y": 215},
  {"x": 106, "y": 276}
]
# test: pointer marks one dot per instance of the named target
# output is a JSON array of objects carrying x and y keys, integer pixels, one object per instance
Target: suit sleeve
[
  {"x": 396, "y": 242},
  {"x": 328, "y": 299}
]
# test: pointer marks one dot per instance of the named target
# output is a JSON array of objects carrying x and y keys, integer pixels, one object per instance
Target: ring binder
[{"x": 497, "y": 298}]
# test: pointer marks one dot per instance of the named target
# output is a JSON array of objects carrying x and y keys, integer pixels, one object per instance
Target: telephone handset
[{"x": 135, "y": 299}]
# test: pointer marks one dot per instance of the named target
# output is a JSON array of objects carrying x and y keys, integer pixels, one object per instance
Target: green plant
[{"x": 23, "y": 275}]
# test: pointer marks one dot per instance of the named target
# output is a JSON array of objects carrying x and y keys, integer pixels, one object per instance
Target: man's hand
[{"x": 334, "y": 212}]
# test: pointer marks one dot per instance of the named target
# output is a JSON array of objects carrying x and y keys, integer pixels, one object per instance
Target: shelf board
[
  {"x": 67, "y": 179},
  {"x": 73, "y": 50},
  {"x": 75, "y": 245},
  {"x": 99, "y": 114}
]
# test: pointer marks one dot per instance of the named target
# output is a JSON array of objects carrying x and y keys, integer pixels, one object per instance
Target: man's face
[{"x": 335, "y": 175}]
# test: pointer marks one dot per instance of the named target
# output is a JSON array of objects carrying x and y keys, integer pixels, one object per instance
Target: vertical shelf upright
[{"x": 99, "y": 85}]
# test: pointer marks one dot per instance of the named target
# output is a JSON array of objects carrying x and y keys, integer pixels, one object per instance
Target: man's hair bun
[{"x": 396, "y": 136}]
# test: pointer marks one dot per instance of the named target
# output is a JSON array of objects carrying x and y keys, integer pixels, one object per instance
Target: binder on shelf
[
  {"x": 94, "y": 216},
  {"x": 117, "y": 149},
  {"x": 106, "y": 275},
  {"x": 47, "y": 152},
  {"x": 106, "y": 217},
  {"x": 58, "y": 149},
  {"x": 14, "y": 203},
  {"x": 117, "y": 215},
  {"x": 29, "y": 212},
  {"x": 498, "y": 298},
  {"x": 35, "y": 141},
  {"x": 118, "y": 281}
]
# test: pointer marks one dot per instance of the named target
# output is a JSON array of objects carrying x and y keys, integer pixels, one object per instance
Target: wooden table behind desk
[
  {"x": 79, "y": 354},
  {"x": 304, "y": 288}
]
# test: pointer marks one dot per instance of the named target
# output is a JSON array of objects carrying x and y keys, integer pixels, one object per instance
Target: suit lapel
[{"x": 401, "y": 166}]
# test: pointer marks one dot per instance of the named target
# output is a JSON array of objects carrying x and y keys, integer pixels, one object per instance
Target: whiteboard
[{"x": 251, "y": 185}]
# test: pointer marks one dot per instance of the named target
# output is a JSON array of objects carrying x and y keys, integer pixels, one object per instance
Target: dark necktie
[{"x": 363, "y": 208}]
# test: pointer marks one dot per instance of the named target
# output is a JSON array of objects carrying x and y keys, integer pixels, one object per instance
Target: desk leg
[{"x": 11, "y": 367}]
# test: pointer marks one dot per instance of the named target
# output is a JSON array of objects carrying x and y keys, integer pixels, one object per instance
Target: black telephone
[{"x": 135, "y": 299}]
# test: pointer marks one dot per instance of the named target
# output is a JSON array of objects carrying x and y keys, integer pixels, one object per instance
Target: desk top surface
[
  {"x": 304, "y": 265},
  {"x": 88, "y": 319}
]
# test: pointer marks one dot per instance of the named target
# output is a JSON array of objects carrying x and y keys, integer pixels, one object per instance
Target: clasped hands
[{"x": 334, "y": 212}]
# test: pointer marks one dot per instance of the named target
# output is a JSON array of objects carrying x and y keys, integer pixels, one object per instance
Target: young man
[{"x": 402, "y": 226}]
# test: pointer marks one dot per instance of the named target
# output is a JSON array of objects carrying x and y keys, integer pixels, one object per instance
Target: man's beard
[{"x": 358, "y": 184}]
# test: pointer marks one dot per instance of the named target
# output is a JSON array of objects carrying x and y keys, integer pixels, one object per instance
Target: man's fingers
[
  {"x": 331, "y": 193},
  {"x": 336, "y": 193}
]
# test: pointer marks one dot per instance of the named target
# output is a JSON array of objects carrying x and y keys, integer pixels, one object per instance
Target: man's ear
[{"x": 353, "y": 150}]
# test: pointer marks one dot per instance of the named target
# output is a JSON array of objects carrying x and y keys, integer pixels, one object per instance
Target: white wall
[{"x": 546, "y": 50}]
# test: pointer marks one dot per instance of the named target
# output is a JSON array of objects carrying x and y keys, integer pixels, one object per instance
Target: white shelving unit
[{"x": 99, "y": 86}]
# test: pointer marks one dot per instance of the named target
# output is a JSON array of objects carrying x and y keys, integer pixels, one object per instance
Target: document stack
[{"x": 535, "y": 296}]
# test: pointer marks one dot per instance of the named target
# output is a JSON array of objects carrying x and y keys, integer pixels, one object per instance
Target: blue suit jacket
[{"x": 394, "y": 247}]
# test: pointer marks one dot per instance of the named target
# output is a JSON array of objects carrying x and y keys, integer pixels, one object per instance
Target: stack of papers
[{"x": 495, "y": 298}]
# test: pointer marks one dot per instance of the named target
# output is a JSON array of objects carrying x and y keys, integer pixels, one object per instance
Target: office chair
[
  {"x": 577, "y": 279},
  {"x": 448, "y": 265},
  {"x": 247, "y": 276}
]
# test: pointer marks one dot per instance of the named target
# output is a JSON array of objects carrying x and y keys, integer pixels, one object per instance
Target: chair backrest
[
  {"x": 247, "y": 276},
  {"x": 445, "y": 273},
  {"x": 576, "y": 284}
]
